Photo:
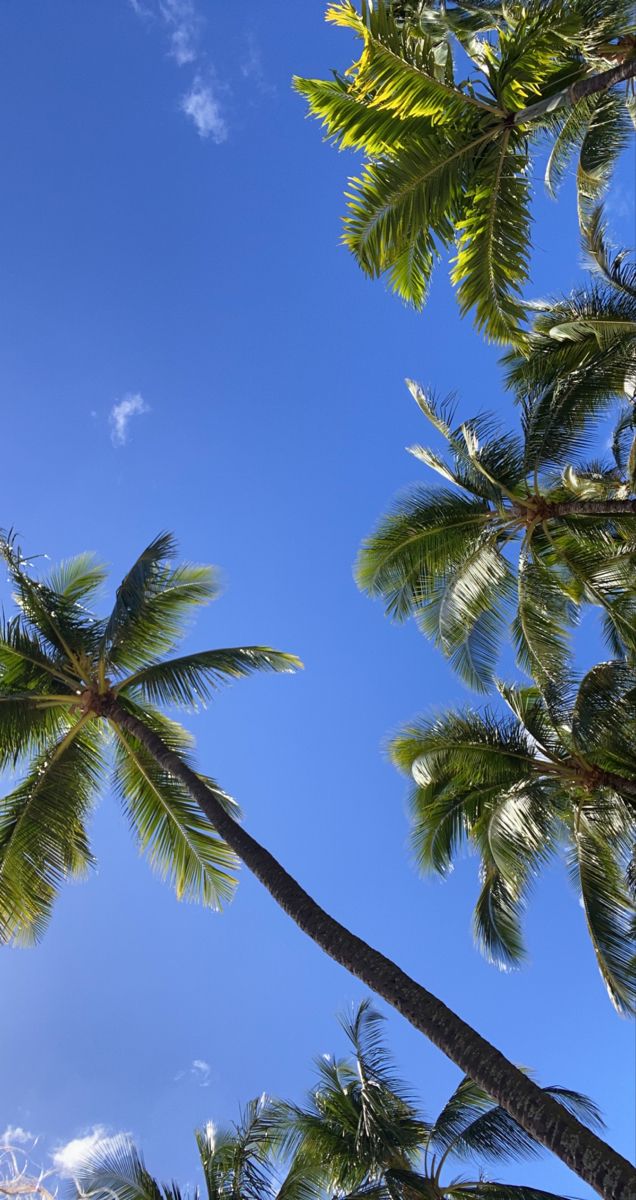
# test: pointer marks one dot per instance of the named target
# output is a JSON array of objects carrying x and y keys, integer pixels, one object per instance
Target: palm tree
[
  {"x": 558, "y": 775},
  {"x": 445, "y": 555},
  {"x": 68, "y": 677},
  {"x": 362, "y": 1134},
  {"x": 448, "y": 157},
  {"x": 236, "y": 1164}
]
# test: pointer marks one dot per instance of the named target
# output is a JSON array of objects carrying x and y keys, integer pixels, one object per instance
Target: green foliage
[
  {"x": 445, "y": 555},
  {"x": 448, "y": 159},
  {"x": 63, "y": 673},
  {"x": 558, "y": 775}
]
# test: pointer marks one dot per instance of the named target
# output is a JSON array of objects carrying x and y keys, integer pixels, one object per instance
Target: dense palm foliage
[
  {"x": 361, "y": 1132},
  {"x": 448, "y": 103},
  {"x": 552, "y": 777},
  {"x": 62, "y": 668},
  {"x": 236, "y": 1164},
  {"x": 512, "y": 539}
]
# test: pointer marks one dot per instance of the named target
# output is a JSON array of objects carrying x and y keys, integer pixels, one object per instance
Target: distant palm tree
[
  {"x": 236, "y": 1164},
  {"x": 445, "y": 555},
  {"x": 557, "y": 776},
  {"x": 448, "y": 156},
  {"x": 362, "y": 1135},
  {"x": 67, "y": 679}
]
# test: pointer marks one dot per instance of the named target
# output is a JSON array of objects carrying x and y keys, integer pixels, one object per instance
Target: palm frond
[
  {"x": 43, "y": 838},
  {"x": 171, "y": 829},
  {"x": 192, "y": 679},
  {"x": 114, "y": 1168}
]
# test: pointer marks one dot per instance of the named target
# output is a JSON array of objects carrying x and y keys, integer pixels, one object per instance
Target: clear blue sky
[{"x": 202, "y": 276}]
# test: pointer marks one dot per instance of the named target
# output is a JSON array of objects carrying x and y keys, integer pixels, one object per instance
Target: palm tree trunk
[
  {"x": 541, "y": 1116},
  {"x": 580, "y": 90}
]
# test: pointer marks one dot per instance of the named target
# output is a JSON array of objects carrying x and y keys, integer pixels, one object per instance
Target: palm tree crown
[
  {"x": 362, "y": 1134},
  {"x": 448, "y": 153},
  {"x": 559, "y": 774},
  {"x": 62, "y": 669},
  {"x": 445, "y": 555}
]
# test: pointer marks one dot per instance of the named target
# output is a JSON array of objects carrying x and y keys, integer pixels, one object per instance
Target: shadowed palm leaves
[
  {"x": 447, "y": 158},
  {"x": 362, "y": 1134},
  {"x": 445, "y": 555},
  {"x": 581, "y": 353},
  {"x": 236, "y": 1164},
  {"x": 554, "y": 777},
  {"x": 61, "y": 669}
]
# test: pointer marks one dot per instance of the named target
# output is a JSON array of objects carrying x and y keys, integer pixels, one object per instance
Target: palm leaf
[
  {"x": 114, "y": 1167},
  {"x": 43, "y": 838},
  {"x": 193, "y": 679},
  {"x": 170, "y": 827}
]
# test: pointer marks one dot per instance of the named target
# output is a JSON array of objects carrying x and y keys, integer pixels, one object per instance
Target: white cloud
[
  {"x": 252, "y": 66},
  {"x": 202, "y": 106},
  {"x": 15, "y": 1135},
  {"x": 132, "y": 405},
  {"x": 199, "y": 1072},
  {"x": 68, "y": 1158},
  {"x": 184, "y": 24}
]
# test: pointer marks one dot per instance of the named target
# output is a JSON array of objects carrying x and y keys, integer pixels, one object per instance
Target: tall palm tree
[
  {"x": 447, "y": 157},
  {"x": 66, "y": 676},
  {"x": 552, "y": 777},
  {"x": 236, "y": 1164},
  {"x": 445, "y": 555},
  {"x": 362, "y": 1134}
]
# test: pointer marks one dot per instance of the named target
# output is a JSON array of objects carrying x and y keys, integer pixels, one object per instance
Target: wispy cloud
[
  {"x": 132, "y": 405},
  {"x": 15, "y": 1135},
  {"x": 70, "y": 1157},
  {"x": 184, "y": 24},
  {"x": 252, "y": 65},
  {"x": 202, "y": 106},
  {"x": 199, "y": 1072}
]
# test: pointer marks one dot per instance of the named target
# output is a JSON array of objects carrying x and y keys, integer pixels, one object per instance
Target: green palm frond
[
  {"x": 114, "y": 1168},
  {"x": 191, "y": 680},
  {"x": 609, "y": 912},
  {"x": 153, "y": 604},
  {"x": 43, "y": 839},
  {"x": 171, "y": 829},
  {"x": 28, "y": 724},
  {"x": 542, "y": 626}
]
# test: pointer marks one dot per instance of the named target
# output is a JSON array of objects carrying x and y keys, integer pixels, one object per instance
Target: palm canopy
[
  {"x": 447, "y": 102},
  {"x": 557, "y": 775},
  {"x": 236, "y": 1164},
  {"x": 362, "y": 1133},
  {"x": 446, "y": 555},
  {"x": 62, "y": 670},
  {"x": 581, "y": 350}
]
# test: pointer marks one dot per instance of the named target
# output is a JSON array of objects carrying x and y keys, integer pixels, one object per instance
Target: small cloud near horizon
[
  {"x": 203, "y": 108},
  {"x": 132, "y": 405},
  {"x": 15, "y": 1135}
]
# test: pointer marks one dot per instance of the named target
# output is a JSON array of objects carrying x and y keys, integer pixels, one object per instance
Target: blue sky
[{"x": 184, "y": 345}]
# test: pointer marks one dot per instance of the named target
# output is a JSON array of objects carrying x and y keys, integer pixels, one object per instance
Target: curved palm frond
[{"x": 191, "y": 680}]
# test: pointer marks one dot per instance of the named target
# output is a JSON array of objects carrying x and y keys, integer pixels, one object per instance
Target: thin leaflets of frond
[
  {"x": 475, "y": 748},
  {"x": 609, "y": 911},
  {"x": 43, "y": 839},
  {"x": 426, "y": 533},
  {"x": 364, "y": 1027},
  {"x": 26, "y": 664},
  {"x": 607, "y": 135},
  {"x": 491, "y": 265},
  {"x": 28, "y": 724},
  {"x": 77, "y": 579},
  {"x": 497, "y": 917},
  {"x": 542, "y": 625},
  {"x": 170, "y": 827},
  {"x": 571, "y": 126},
  {"x": 153, "y": 605},
  {"x": 617, "y": 269},
  {"x": 529, "y": 707},
  {"x": 191, "y": 680},
  {"x": 465, "y": 614},
  {"x": 396, "y": 70},
  {"x": 604, "y": 717},
  {"x": 486, "y": 1190},
  {"x": 353, "y": 123},
  {"x": 114, "y": 1167},
  {"x": 442, "y": 813}
]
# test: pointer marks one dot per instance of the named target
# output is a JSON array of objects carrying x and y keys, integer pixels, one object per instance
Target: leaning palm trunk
[{"x": 538, "y": 1114}]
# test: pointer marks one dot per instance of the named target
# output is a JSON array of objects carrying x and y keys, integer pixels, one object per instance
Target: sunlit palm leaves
[
  {"x": 446, "y": 555},
  {"x": 447, "y": 158},
  {"x": 63, "y": 672},
  {"x": 362, "y": 1133},
  {"x": 557, "y": 776}
]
